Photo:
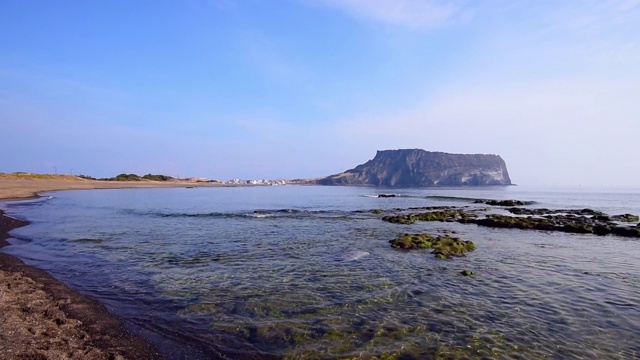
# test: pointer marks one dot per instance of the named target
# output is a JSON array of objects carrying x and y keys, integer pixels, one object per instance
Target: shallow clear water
[{"x": 307, "y": 272}]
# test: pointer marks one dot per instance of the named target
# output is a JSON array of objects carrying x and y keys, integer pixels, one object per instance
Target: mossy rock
[
  {"x": 444, "y": 246},
  {"x": 438, "y": 215},
  {"x": 626, "y": 231},
  {"x": 413, "y": 241},
  {"x": 534, "y": 223},
  {"x": 626, "y": 218},
  {"x": 400, "y": 219},
  {"x": 500, "y": 202},
  {"x": 578, "y": 228},
  {"x": 601, "y": 230},
  {"x": 377, "y": 211},
  {"x": 466, "y": 272},
  {"x": 446, "y": 215},
  {"x": 589, "y": 212}
]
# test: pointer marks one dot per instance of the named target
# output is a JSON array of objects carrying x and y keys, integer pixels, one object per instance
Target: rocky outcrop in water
[
  {"x": 577, "y": 221},
  {"x": 444, "y": 215},
  {"x": 444, "y": 247},
  {"x": 420, "y": 168},
  {"x": 500, "y": 202}
]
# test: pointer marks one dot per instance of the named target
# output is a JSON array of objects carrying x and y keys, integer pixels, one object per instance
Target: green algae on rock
[
  {"x": 570, "y": 223},
  {"x": 500, "y": 202},
  {"x": 400, "y": 219},
  {"x": 445, "y": 215},
  {"x": 576, "y": 221},
  {"x": 444, "y": 247},
  {"x": 413, "y": 241},
  {"x": 626, "y": 218}
]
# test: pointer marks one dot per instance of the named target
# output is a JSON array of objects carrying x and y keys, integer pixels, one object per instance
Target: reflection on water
[{"x": 306, "y": 273}]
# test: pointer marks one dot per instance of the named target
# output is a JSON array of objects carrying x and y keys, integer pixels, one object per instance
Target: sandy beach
[
  {"x": 40, "y": 317},
  {"x": 13, "y": 187}
]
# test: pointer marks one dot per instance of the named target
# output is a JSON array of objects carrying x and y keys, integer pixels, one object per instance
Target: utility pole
[
  {"x": 71, "y": 171},
  {"x": 55, "y": 170}
]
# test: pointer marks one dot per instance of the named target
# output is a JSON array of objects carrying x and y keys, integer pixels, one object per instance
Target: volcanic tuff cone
[{"x": 419, "y": 168}]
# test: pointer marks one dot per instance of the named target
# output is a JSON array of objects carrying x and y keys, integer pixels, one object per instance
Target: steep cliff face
[{"x": 417, "y": 168}]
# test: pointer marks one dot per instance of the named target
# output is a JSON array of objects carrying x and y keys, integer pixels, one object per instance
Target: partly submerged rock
[
  {"x": 626, "y": 231},
  {"x": 413, "y": 241},
  {"x": 576, "y": 221},
  {"x": 568, "y": 223},
  {"x": 444, "y": 215},
  {"x": 444, "y": 246},
  {"x": 625, "y": 218},
  {"x": 500, "y": 202}
]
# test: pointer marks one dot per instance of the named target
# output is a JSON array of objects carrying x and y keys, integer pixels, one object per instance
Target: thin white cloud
[
  {"x": 270, "y": 58},
  {"x": 591, "y": 18},
  {"x": 563, "y": 131},
  {"x": 626, "y": 5},
  {"x": 556, "y": 97},
  {"x": 418, "y": 14}
]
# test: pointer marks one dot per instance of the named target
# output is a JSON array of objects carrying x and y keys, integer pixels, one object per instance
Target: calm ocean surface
[{"x": 307, "y": 272}]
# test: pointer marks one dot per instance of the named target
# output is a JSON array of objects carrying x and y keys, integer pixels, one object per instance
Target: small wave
[
  {"x": 203, "y": 215},
  {"x": 87, "y": 240},
  {"x": 255, "y": 214},
  {"x": 18, "y": 240},
  {"x": 384, "y": 195},
  {"x": 470, "y": 199},
  {"x": 259, "y": 215},
  {"x": 30, "y": 202},
  {"x": 454, "y": 198},
  {"x": 291, "y": 211},
  {"x": 353, "y": 255}
]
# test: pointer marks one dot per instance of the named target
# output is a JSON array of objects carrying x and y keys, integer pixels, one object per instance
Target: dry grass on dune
[
  {"x": 25, "y": 185},
  {"x": 26, "y": 175}
]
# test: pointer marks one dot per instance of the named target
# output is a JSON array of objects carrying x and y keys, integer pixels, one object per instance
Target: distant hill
[{"x": 420, "y": 168}]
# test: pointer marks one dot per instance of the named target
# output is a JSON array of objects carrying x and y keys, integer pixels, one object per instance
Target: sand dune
[{"x": 14, "y": 187}]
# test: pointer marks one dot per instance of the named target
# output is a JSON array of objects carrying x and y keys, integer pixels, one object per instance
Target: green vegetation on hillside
[
  {"x": 125, "y": 177},
  {"x": 134, "y": 177},
  {"x": 157, "y": 177},
  {"x": 120, "y": 177}
]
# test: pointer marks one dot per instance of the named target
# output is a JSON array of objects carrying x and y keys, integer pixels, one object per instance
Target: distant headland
[
  {"x": 420, "y": 168},
  {"x": 389, "y": 168}
]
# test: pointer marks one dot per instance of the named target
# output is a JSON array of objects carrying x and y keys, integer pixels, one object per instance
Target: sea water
[{"x": 308, "y": 272}]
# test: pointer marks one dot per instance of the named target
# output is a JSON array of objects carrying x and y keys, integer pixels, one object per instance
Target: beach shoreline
[
  {"x": 15, "y": 188},
  {"x": 42, "y": 318}
]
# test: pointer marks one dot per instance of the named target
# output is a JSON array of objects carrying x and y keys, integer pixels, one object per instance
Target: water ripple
[{"x": 285, "y": 279}]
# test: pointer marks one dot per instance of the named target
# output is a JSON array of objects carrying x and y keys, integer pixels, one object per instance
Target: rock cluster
[
  {"x": 500, "y": 202},
  {"x": 445, "y": 215},
  {"x": 444, "y": 247},
  {"x": 578, "y": 221}
]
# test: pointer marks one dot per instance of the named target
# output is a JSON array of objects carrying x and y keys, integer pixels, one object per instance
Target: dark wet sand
[{"x": 41, "y": 318}]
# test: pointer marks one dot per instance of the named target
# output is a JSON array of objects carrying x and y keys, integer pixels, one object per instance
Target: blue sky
[{"x": 305, "y": 88}]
